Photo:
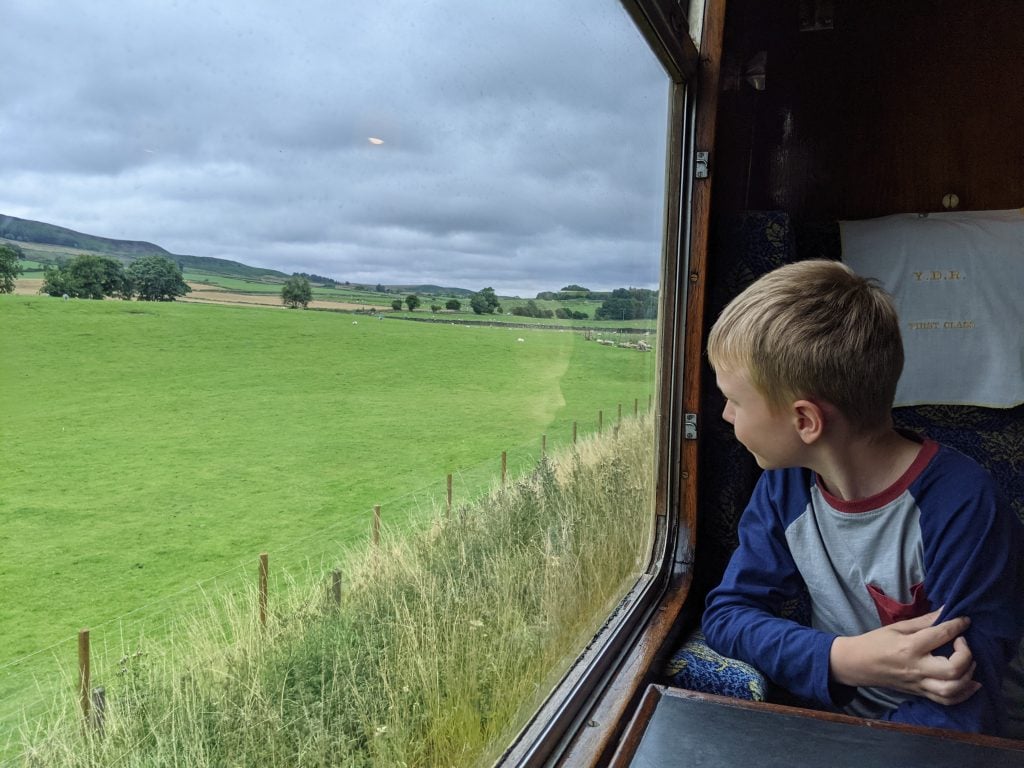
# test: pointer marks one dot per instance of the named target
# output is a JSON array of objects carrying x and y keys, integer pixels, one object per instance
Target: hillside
[
  {"x": 35, "y": 236},
  {"x": 49, "y": 243},
  {"x": 430, "y": 290},
  {"x": 27, "y": 231}
]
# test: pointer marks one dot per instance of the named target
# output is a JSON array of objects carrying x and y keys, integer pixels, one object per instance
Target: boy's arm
[
  {"x": 973, "y": 564},
  {"x": 972, "y": 555},
  {"x": 742, "y": 616},
  {"x": 899, "y": 656}
]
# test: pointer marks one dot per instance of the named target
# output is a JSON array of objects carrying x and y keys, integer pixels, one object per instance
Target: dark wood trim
[
  {"x": 594, "y": 744},
  {"x": 665, "y": 27},
  {"x": 700, "y": 205},
  {"x": 562, "y": 719},
  {"x": 597, "y": 728},
  {"x": 624, "y": 755}
]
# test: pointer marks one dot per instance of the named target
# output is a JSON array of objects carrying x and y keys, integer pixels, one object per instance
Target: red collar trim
[{"x": 928, "y": 450}]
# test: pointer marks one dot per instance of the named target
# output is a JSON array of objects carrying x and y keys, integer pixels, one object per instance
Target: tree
[
  {"x": 296, "y": 292},
  {"x": 453, "y": 304},
  {"x": 530, "y": 309},
  {"x": 629, "y": 304},
  {"x": 99, "y": 276},
  {"x": 9, "y": 266},
  {"x": 56, "y": 281},
  {"x": 412, "y": 301},
  {"x": 396, "y": 304},
  {"x": 485, "y": 302},
  {"x": 155, "y": 278},
  {"x": 88, "y": 276}
]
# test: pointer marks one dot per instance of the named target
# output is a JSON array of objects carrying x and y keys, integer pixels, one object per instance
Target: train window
[{"x": 472, "y": 197}]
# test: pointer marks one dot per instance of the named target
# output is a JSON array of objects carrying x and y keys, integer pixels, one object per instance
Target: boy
[{"x": 907, "y": 551}]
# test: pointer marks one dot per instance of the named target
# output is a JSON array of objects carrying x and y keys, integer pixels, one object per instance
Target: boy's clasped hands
[{"x": 900, "y": 656}]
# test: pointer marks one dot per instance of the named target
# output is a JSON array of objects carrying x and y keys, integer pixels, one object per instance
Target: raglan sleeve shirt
[
  {"x": 973, "y": 545},
  {"x": 743, "y": 620},
  {"x": 958, "y": 532}
]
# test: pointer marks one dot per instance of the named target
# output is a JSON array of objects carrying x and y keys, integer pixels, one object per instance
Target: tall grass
[{"x": 445, "y": 639}]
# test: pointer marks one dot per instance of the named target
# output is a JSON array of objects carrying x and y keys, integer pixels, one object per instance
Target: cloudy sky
[{"x": 523, "y": 142}]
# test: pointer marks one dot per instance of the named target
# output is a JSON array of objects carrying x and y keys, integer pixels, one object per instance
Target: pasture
[
  {"x": 150, "y": 449},
  {"x": 209, "y": 286}
]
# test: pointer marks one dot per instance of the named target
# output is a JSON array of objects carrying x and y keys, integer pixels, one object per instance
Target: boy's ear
[{"x": 809, "y": 420}]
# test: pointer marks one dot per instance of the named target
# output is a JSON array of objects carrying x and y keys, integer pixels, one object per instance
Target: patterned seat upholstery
[
  {"x": 698, "y": 668},
  {"x": 994, "y": 437}
]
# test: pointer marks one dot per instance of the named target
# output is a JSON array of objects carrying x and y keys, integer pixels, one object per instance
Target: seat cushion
[{"x": 698, "y": 668}]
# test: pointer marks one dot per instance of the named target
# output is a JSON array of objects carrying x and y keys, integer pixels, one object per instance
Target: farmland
[{"x": 153, "y": 447}]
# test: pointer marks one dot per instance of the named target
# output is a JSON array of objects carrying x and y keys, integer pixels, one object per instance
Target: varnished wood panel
[{"x": 899, "y": 104}]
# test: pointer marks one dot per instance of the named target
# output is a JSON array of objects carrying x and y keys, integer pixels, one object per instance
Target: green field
[
  {"x": 149, "y": 448},
  {"x": 353, "y": 295}
]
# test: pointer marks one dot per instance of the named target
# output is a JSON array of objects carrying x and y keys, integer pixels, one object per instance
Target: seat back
[{"x": 744, "y": 248}]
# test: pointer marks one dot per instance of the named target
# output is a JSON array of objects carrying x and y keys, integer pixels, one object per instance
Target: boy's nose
[{"x": 727, "y": 413}]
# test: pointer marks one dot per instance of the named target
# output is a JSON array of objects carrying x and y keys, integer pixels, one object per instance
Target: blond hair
[{"x": 814, "y": 329}]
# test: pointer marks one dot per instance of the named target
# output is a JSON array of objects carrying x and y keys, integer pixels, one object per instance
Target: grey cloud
[{"x": 239, "y": 130}]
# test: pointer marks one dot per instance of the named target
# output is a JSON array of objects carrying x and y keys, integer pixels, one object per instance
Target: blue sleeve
[
  {"x": 743, "y": 615},
  {"x": 973, "y": 545}
]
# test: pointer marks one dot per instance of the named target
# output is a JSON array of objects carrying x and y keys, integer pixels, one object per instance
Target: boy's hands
[{"x": 899, "y": 656}]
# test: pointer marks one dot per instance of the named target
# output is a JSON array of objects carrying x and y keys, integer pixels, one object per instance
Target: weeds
[{"x": 445, "y": 640}]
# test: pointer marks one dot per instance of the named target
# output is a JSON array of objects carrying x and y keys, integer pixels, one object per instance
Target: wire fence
[{"x": 32, "y": 687}]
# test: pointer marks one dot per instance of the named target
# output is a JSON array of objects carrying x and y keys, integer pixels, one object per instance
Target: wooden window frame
[{"x": 583, "y": 718}]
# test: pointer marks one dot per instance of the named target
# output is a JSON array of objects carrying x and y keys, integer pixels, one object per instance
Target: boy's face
[{"x": 769, "y": 435}]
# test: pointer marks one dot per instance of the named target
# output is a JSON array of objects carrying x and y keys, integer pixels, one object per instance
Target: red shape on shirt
[{"x": 891, "y": 611}]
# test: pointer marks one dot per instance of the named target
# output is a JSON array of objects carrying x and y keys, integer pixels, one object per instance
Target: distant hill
[
  {"x": 26, "y": 231},
  {"x": 44, "y": 242},
  {"x": 435, "y": 290},
  {"x": 224, "y": 267},
  {"x": 40, "y": 233}
]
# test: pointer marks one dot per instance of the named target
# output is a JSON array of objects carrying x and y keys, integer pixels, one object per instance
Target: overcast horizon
[{"x": 461, "y": 144}]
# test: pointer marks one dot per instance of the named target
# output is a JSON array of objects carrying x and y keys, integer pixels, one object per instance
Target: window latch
[{"x": 701, "y": 171}]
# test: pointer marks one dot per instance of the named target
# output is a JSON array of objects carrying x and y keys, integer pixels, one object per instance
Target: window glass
[{"x": 472, "y": 194}]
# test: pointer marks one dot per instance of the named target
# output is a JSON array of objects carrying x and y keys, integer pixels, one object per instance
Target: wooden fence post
[
  {"x": 376, "y": 524},
  {"x": 600, "y": 421},
  {"x": 574, "y": 433},
  {"x": 83, "y": 672},
  {"x": 336, "y": 587},
  {"x": 504, "y": 466},
  {"x": 636, "y": 406},
  {"x": 264, "y": 579},
  {"x": 620, "y": 412},
  {"x": 543, "y": 446},
  {"x": 449, "y": 495}
]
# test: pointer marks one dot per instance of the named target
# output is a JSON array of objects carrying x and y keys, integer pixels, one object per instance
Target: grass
[
  {"x": 240, "y": 284},
  {"x": 153, "y": 447},
  {"x": 444, "y": 641}
]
